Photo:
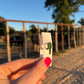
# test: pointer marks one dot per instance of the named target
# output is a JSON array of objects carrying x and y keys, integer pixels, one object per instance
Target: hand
[{"x": 25, "y": 71}]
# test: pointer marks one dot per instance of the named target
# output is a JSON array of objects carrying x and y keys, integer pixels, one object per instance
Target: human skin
[{"x": 24, "y": 71}]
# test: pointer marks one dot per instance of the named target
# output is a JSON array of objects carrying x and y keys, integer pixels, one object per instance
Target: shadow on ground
[
  {"x": 15, "y": 56},
  {"x": 75, "y": 76}
]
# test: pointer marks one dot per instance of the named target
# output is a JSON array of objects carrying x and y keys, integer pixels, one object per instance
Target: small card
[{"x": 46, "y": 45}]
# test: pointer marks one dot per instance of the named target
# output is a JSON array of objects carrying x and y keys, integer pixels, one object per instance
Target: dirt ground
[{"x": 68, "y": 68}]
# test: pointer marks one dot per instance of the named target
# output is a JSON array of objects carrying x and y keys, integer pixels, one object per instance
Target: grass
[
  {"x": 60, "y": 52},
  {"x": 2, "y": 45},
  {"x": 1, "y": 40},
  {"x": 57, "y": 53},
  {"x": 28, "y": 38}
]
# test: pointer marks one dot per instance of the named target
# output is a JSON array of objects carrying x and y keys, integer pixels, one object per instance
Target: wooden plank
[
  {"x": 39, "y": 35},
  {"x": 35, "y": 50},
  {"x": 77, "y": 37},
  {"x": 74, "y": 36},
  {"x": 83, "y": 35},
  {"x": 47, "y": 27},
  {"x": 25, "y": 41},
  {"x": 56, "y": 38},
  {"x": 80, "y": 36},
  {"x": 62, "y": 36},
  {"x": 69, "y": 37},
  {"x": 8, "y": 43},
  {"x": 37, "y": 22}
]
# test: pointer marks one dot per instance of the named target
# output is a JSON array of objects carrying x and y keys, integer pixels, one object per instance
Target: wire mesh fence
[
  {"x": 3, "y": 49},
  {"x": 24, "y": 44}
]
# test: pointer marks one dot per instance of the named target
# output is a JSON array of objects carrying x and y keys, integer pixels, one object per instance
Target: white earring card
[{"x": 46, "y": 45}]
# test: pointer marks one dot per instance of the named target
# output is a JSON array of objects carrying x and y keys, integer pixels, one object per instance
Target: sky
[{"x": 30, "y": 10}]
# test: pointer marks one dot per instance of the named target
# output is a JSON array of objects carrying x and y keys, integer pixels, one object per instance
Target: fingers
[
  {"x": 17, "y": 65},
  {"x": 42, "y": 78},
  {"x": 37, "y": 71},
  {"x": 17, "y": 75},
  {"x": 21, "y": 73},
  {"x": 40, "y": 82}
]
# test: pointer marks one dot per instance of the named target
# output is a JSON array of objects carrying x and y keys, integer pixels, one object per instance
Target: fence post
[
  {"x": 35, "y": 46},
  {"x": 69, "y": 37},
  {"x": 77, "y": 36},
  {"x": 25, "y": 41},
  {"x": 74, "y": 37},
  {"x": 39, "y": 35},
  {"x": 62, "y": 36},
  {"x": 47, "y": 27},
  {"x": 56, "y": 38},
  {"x": 82, "y": 35},
  {"x": 8, "y": 43}
]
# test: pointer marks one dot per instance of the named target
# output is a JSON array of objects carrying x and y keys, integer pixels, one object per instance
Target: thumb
[{"x": 36, "y": 72}]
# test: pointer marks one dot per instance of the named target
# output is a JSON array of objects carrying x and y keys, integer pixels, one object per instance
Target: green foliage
[
  {"x": 81, "y": 21},
  {"x": 58, "y": 53},
  {"x": 2, "y": 27},
  {"x": 19, "y": 32},
  {"x": 44, "y": 29},
  {"x": 2, "y": 17},
  {"x": 12, "y": 30},
  {"x": 63, "y": 9},
  {"x": 33, "y": 29}
]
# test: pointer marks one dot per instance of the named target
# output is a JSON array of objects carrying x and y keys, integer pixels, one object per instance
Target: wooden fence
[{"x": 78, "y": 35}]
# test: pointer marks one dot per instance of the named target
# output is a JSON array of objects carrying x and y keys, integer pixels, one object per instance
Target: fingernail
[
  {"x": 47, "y": 61},
  {"x": 45, "y": 75},
  {"x": 41, "y": 80}
]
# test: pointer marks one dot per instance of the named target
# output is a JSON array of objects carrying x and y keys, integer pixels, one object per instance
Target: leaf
[{"x": 63, "y": 9}]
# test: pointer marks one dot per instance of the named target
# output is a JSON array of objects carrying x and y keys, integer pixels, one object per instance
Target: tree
[
  {"x": 1, "y": 17},
  {"x": 44, "y": 29},
  {"x": 12, "y": 30},
  {"x": 2, "y": 27},
  {"x": 63, "y": 9},
  {"x": 81, "y": 21},
  {"x": 33, "y": 29}
]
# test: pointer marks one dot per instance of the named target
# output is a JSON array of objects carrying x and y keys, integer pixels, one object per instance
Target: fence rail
[{"x": 7, "y": 20}]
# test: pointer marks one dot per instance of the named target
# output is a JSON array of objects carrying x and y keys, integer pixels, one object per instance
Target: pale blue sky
[{"x": 31, "y": 10}]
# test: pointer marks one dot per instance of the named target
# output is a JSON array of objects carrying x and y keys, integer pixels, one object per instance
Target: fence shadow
[{"x": 77, "y": 77}]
